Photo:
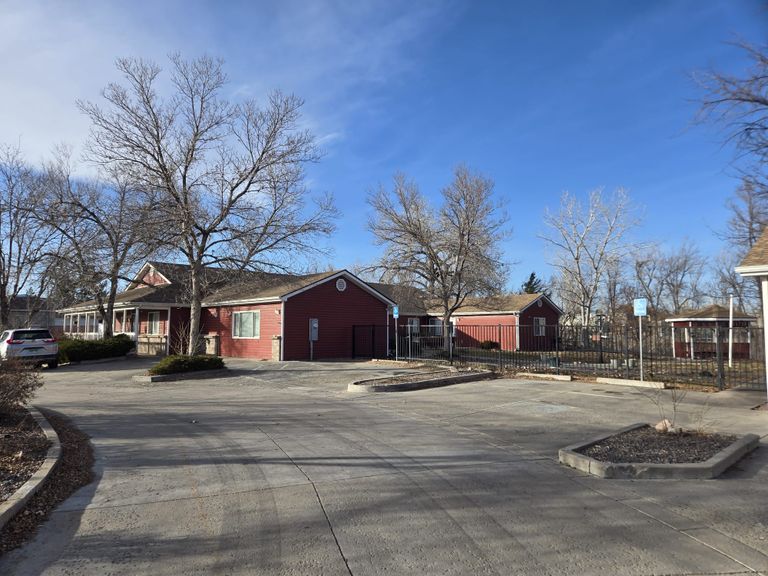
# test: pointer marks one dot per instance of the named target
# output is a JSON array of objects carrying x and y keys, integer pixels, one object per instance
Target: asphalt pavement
[{"x": 277, "y": 469}]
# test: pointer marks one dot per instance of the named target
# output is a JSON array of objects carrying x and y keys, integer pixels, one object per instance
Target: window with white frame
[
  {"x": 539, "y": 326},
  {"x": 414, "y": 325},
  {"x": 153, "y": 323},
  {"x": 246, "y": 324}
]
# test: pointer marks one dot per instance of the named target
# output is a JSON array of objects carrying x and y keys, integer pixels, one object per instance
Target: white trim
[
  {"x": 725, "y": 319},
  {"x": 136, "y": 282},
  {"x": 754, "y": 270},
  {"x": 478, "y": 313},
  {"x": 282, "y": 298},
  {"x": 355, "y": 280},
  {"x": 545, "y": 297},
  {"x": 121, "y": 305},
  {"x": 243, "y": 302},
  {"x": 149, "y": 323},
  {"x": 236, "y": 312},
  {"x": 168, "y": 334}
]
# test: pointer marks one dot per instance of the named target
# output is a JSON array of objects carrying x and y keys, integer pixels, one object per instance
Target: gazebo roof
[{"x": 713, "y": 313}]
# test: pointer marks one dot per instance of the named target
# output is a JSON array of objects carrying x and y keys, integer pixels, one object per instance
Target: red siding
[
  {"x": 153, "y": 278},
  {"x": 472, "y": 330},
  {"x": 528, "y": 338},
  {"x": 144, "y": 321},
  {"x": 218, "y": 320},
  {"x": 337, "y": 312},
  {"x": 179, "y": 330}
]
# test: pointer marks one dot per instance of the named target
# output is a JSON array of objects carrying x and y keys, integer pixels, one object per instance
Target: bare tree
[
  {"x": 25, "y": 243},
  {"x": 741, "y": 104},
  {"x": 229, "y": 176},
  {"x": 683, "y": 272},
  {"x": 584, "y": 241},
  {"x": 649, "y": 270},
  {"x": 107, "y": 226},
  {"x": 451, "y": 252},
  {"x": 725, "y": 282}
]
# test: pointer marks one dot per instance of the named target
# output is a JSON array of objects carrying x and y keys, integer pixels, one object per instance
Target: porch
[{"x": 148, "y": 327}]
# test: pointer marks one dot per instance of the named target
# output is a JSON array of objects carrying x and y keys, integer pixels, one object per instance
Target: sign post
[
  {"x": 641, "y": 309},
  {"x": 396, "y": 315}
]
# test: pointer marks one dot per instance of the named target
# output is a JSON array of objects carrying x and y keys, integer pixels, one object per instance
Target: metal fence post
[
  {"x": 557, "y": 346},
  {"x": 720, "y": 363},
  {"x": 500, "y": 363},
  {"x": 626, "y": 351}
]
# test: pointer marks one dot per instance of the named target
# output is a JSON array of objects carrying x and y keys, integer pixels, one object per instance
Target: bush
[
  {"x": 489, "y": 345},
  {"x": 73, "y": 350},
  {"x": 179, "y": 363},
  {"x": 18, "y": 383}
]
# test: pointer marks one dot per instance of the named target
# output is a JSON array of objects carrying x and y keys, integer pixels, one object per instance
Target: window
[
  {"x": 539, "y": 326},
  {"x": 414, "y": 324},
  {"x": 153, "y": 323},
  {"x": 246, "y": 324}
]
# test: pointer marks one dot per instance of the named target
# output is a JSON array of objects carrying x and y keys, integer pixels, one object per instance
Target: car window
[{"x": 31, "y": 335}]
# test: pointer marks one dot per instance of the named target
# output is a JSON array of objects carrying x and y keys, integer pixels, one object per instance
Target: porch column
[
  {"x": 690, "y": 330},
  {"x": 673, "y": 340}
]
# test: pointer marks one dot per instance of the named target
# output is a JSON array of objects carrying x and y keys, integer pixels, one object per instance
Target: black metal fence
[{"x": 711, "y": 356}]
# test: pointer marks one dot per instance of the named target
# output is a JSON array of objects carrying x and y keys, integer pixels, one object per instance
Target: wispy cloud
[{"x": 328, "y": 52}]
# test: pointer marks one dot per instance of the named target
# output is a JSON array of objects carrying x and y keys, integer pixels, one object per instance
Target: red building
[{"x": 300, "y": 317}]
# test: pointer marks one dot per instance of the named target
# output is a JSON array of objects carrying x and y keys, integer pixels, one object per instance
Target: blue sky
[{"x": 542, "y": 97}]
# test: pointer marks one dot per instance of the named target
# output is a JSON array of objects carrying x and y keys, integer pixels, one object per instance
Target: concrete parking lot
[{"x": 278, "y": 470}]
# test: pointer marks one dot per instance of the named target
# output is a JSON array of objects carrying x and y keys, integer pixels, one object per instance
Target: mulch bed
[
  {"x": 75, "y": 470},
  {"x": 646, "y": 445},
  {"x": 22, "y": 450}
]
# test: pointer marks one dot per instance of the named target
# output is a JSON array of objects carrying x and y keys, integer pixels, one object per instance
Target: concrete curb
[
  {"x": 197, "y": 375},
  {"x": 558, "y": 377},
  {"x": 371, "y": 386},
  {"x": 635, "y": 383},
  {"x": 706, "y": 470},
  {"x": 17, "y": 501},
  {"x": 99, "y": 361}
]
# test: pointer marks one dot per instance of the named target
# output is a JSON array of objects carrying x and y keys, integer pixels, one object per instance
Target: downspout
[{"x": 282, "y": 330}]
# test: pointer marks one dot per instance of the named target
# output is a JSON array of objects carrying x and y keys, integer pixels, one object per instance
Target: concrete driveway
[{"x": 278, "y": 470}]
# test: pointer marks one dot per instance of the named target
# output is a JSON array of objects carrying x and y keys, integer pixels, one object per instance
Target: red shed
[{"x": 516, "y": 321}]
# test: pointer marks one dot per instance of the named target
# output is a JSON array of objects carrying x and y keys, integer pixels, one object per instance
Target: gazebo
[{"x": 694, "y": 333}]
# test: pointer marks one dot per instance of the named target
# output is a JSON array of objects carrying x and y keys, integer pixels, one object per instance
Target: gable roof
[
  {"x": 502, "y": 304},
  {"x": 267, "y": 287},
  {"x": 714, "y": 312},
  {"x": 756, "y": 261}
]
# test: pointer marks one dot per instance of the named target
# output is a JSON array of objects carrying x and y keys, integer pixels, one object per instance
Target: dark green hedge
[
  {"x": 73, "y": 350},
  {"x": 176, "y": 364}
]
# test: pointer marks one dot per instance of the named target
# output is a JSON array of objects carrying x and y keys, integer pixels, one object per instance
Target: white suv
[{"x": 30, "y": 345}]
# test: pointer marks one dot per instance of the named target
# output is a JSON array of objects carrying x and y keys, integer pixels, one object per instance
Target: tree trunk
[
  {"x": 194, "y": 311},
  {"x": 446, "y": 331}
]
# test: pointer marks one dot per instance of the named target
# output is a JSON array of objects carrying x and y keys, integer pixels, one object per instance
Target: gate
[{"x": 369, "y": 341}]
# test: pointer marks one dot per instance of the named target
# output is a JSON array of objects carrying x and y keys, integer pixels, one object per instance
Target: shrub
[
  {"x": 179, "y": 363},
  {"x": 489, "y": 345},
  {"x": 73, "y": 350},
  {"x": 18, "y": 383}
]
